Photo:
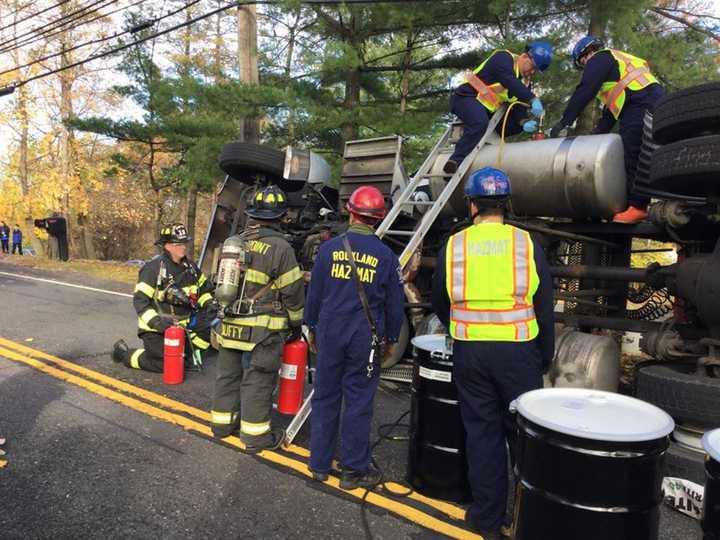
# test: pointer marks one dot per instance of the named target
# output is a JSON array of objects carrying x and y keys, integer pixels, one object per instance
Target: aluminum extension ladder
[
  {"x": 435, "y": 207},
  {"x": 417, "y": 235}
]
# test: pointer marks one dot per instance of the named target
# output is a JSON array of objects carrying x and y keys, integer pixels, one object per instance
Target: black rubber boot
[
  {"x": 450, "y": 166},
  {"x": 277, "y": 436},
  {"x": 350, "y": 479},
  {"x": 120, "y": 351}
]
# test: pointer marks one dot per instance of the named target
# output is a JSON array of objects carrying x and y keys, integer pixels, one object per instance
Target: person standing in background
[
  {"x": 17, "y": 240},
  {"x": 5, "y": 237}
]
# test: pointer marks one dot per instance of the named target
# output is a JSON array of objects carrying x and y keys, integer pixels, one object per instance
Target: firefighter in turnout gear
[
  {"x": 492, "y": 289},
  {"x": 346, "y": 338},
  {"x": 625, "y": 86},
  {"x": 267, "y": 312},
  {"x": 170, "y": 288},
  {"x": 502, "y": 78}
]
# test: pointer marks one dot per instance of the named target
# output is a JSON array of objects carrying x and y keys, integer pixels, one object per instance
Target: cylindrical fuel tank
[
  {"x": 589, "y": 465},
  {"x": 585, "y": 361},
  {"x": 437, "y": 463},
  {"x": 574, "y": 177},
  {"x": 711, "y": 497}
]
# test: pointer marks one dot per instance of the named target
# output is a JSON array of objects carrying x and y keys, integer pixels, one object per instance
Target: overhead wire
[
  {"x": 15, "y": 23},
  {"x": 40, "y": 31},
  {"x": 34, "y": 39},
  {"x": 100, "y": 40}
]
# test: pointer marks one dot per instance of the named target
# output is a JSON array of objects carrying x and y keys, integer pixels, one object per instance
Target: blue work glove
[
  {"x": 530, "y": 126},
  {"x": 536, "y": 108}
]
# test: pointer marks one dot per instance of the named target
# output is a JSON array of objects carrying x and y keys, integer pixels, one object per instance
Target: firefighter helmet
[
  {"x": 584, "y": 46},
  {"x": 268, "y": 203},
  {"x": 488, "y": 187},
  {"x": 367, "y": 202},
  {"x": 175, "y": 233}
]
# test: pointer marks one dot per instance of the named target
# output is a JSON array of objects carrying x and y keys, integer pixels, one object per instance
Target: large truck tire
[
  {"x": 690, "y": 167},
  {"x": 681, "y": 462},
  {"x": 241, "y": 160},
  {"x": 687, "y": 113},
  {"x": 683, "y": 394}
]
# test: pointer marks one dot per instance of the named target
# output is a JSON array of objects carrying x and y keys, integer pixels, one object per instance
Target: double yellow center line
[{"x": 194, "y": 419}]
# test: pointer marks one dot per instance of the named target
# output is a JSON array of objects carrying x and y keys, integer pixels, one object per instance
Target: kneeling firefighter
[
  {"x": 170, "y": 289},
  {"x": 263, "y": 309}
]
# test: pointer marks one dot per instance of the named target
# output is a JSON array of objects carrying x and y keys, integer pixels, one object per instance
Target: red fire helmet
[{"x": 367, "y": 201}]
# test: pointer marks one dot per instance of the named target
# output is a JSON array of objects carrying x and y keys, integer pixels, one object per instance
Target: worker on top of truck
[
  {"x": 625, "y": 86},
  {"x": 502, "y": 78}
]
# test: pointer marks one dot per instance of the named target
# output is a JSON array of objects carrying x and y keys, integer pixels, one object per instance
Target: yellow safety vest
[
  {"x": 492, "y": 95},
  {"x": 491, "y": 280},
  {"x": 634, "y": 75}
]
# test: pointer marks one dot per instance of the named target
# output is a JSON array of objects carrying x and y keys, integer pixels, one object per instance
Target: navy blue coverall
[
  {"x": 475, "y": 116},
  {"x": 489, "y": 375},
  {"x": 603, "y": 67},
  {"x": 342, "y": 332}
]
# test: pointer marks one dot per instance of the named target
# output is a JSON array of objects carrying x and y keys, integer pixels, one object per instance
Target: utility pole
[{"x": 248, "y": 65}]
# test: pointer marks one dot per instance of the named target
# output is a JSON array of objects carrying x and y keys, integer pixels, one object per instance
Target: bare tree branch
[{"x": 687, "y": 23}]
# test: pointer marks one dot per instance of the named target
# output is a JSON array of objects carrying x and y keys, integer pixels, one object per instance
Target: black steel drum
[
  {"x": 437, "y": 465},
  {"x": 711, "y": 498},
  {"x": 589, "y": 466}
]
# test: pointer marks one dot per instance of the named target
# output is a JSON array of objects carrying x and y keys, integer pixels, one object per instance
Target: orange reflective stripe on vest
[
  {"x": 485, "y": 93},
  {"x": 634, "y": 75}
]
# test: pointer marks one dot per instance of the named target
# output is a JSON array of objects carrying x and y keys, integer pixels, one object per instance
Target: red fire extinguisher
[
  {"x": 173, "y": 355},
  {"x": 292, "y": 377}
]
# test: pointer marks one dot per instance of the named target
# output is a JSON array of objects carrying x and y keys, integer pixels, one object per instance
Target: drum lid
[
  {"x": 432, "y": 343},
  {"x": 711, "y": 444},
  {"x": 595, "y": 414}
]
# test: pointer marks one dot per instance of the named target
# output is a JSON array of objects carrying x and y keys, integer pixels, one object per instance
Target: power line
[
  {"x": 108, "y": 38},
  {"x": 9, "y": 89},
  {"x": 34, "y": 39},
  {"x": 53, "y": 25},
  {"x": 32, "y": 14}
]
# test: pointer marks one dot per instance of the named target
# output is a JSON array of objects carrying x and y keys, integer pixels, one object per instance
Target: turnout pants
[
  {"x": 341, "y": 375},
  {"x": 151, "y": 356},
  {"x": 489, "y": 375},
  {"x": 243, "y": 391},
  {"x": 476, "y": 119}
]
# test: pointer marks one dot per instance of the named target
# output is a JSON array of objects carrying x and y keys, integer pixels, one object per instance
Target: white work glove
[{"x": 536, "y": 108}]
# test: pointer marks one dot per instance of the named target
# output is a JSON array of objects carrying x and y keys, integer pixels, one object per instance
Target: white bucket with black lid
[{"x": 589, "y": 465}]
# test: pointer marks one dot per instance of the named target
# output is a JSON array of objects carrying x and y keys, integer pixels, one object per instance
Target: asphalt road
[{"x": 82, "y": 465}]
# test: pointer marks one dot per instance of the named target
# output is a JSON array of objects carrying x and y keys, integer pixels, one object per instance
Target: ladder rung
[
  {"x": 446, "y": 175},
  {"x": 399, "y": 233},
  {"x": 418, "y": 203}
]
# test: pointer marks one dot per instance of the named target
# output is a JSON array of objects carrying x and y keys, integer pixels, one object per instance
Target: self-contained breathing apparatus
[{"x": 232, "y": 277}]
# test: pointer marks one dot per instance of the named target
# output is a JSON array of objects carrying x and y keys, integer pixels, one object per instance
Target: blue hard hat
[
  {"x": 488, "y": 182},
  {"x": 541, "y": 53},
  {"x": 583, "y": 46}
]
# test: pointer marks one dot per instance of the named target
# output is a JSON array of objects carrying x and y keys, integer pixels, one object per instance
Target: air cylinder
[
  {"x": 589, "y": 465},
  {"x": 573, "y": 177}
]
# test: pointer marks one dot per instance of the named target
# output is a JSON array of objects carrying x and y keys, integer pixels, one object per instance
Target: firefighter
[
  {"x": 492, "y": 289},
  {"x": 342, "y": 336},
  {"x": 254, "y": 331},
  {"x": 170, "y": 288},
  {"x": 624, "y": 85},
  {"x": 502, "y": 78}
]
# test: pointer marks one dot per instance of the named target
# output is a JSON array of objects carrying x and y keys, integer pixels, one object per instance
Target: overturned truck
[{"x": 565, "y": 192}]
